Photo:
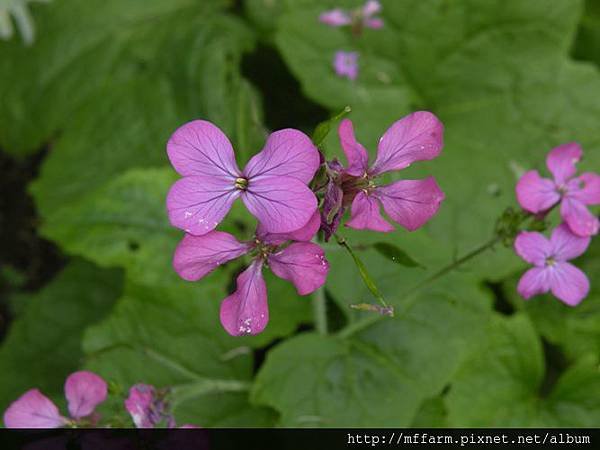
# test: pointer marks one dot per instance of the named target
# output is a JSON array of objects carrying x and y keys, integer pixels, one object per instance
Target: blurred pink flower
[
  {"x": 551, "y": 271},
  {"x": 273, "y": 186},
  {"x": 246, "y": 310},
  {"x": 346, "y": 64},
  {"x": 537, "y": 195},
  {"x": 411, "y": 203},
  {"x": 358, "y": 18},
  {"x": 148, "y": 407},
  {"x": 84, "y": 391}
]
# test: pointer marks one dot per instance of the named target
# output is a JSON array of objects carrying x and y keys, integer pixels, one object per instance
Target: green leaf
[
  {"x": 323, "y": 129},
  {"x": 502, "y": 385},
  {"x": 86, "y": 47},
  {"x": 379, "y": 374},
  {"x": 587, "y": 44},
  {"x": 364, "y": 273},
  {"x": 317, "y": 381},
  {"x": 43, "y": 344},
  {"x": 498, "y": 75},
  {"x": 395, "y": 254},
  {"x": 171, "y": 337}
]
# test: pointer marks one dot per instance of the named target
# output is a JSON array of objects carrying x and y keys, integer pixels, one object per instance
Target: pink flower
[
  {"x": 411, "y": 203},
  {"x": 273, "y": 186},
  {"x": 246, "y": 310},
  {"x": 358, "y": 18},
  {"x": 537, "y": 195},
  {"x": 345, "y": 64},
  {"x": 551, "y": 271},
  {"x": 83, "y": 390},
  {"x": 140, "y": 405}
]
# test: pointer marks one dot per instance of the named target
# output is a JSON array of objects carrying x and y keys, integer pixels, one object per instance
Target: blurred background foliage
[{"x": 86, "y": 281}]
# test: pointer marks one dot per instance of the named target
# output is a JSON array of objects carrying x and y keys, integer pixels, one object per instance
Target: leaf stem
[
  {"x": 206, "y": 386},
  {"x": 454, "y": 265},
  {"x": 362, "y": 269}
]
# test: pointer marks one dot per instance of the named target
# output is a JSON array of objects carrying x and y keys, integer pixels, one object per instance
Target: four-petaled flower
[
  {"x": 83, "y": 390},
  {"x": 273, "y": 186},
  {"x": 246, "y": 310},
  {"x": 411, "y": 203},
  {"x": 345, "y": 64},
  {"x": 551, "y": 271},
  {"x": 359, "y": 18},
  {"x": 537, "y": 195}
]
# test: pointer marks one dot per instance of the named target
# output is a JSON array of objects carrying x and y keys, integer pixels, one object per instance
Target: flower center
[
  {"x": 562, "y": 189},
  {"x": 241, "y": 183},
  {"x": 262, "y": 250},
  {"x": 550, "y": 261}
]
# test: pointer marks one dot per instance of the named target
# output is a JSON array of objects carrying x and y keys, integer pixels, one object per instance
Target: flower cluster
[
  {"x": 274, "y": 186},
  {"x": 345, "y": 63},
  {"x": 84, "y": 391},
  {"x": 572, "y": 194}
]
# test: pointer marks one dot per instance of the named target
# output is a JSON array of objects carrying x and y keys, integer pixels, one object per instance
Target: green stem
[
  {"x": 320, "y": 311},
  {"x": 457, "y": 263},
  {"x": 206, "y": 386},
  {"x": 370, "y": 320},
  {"x": 364, "y": 273}
]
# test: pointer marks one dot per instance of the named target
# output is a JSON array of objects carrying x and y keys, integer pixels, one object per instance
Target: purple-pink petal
[
  {"x": 281, "y": 204},
  {"x": 533, "y": 247},
  {"x": 416, "y": 137},
  {"x": 306, "y": 233},
  {"x": 200, "y": 148},
  {"x": 303, "y": 264},
  {"x": 534, "y": 282},
  {"x": 139, "y": 405},
  {"x": 370, "y": 8},
  {"x": 345, "y": 64},
  {"x": 365, "y": 214},
  {"x": 246, "y": 310},
  {"x": 536, "y": 194},
  {"x": 566, "y": 245},
  {"x": 374, "y": 24},
  {"x": 33, "y": 410},
  {"x": 568, "y": 283},
  {"x": 287, "y": 153},
  {"x": 84, "y": 391},
  {"x": 587, "y": 189},
  {"x": 335, "y": 18},
  {"x": 197, "y": 256},
  {"x": 579, "y": 218},
  {"x": 562, "y": 161},
  {"x": 357, "y": 156},
  {"x": 198, "y": 204},
  {"x": 411, "y": 203}
]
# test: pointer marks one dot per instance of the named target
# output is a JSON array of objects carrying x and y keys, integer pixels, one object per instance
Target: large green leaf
[
  {"x": 379, "y": 374},
  {"x": 504, "y": 386},
  {"x": 86, "y": 47},
  {"x": 43, "y": 345},
  {"x": 498, "y": 75}
]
